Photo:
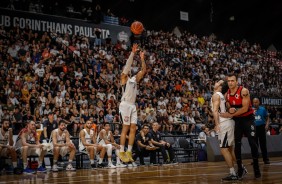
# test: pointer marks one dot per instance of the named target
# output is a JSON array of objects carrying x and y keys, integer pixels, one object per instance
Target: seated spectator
[
  {"x": 28, "y": 144},
  {"x": 158, "y": 142},
  {"x": 88, "y": 145},
  {"x": 206, "y": 132},
  {"x": 178, "y": 122},
  {"x": 6, "y": 146},
  {"x": 75, "y": 125},
  {"x": 48, "y": 126},
  {"x": 199, "y": 120},
  {"x": 62, "y": 145},
  {"x": 144, "y": 146},
  {"x": 192, "y": 123},
  {"x": 151, "y": 117}
]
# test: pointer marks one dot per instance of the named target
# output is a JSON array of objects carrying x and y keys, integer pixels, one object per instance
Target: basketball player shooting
[{"x": 127, "y": 107}]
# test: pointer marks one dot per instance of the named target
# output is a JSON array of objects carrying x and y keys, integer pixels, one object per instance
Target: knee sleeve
[{"x": 109, "y": 149}]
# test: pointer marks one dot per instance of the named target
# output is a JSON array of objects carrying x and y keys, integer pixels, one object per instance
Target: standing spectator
[
  {"x": 98, "y": 40},
  {"x": 262, "y": 124},
  {"x": 18, "y": 125}
]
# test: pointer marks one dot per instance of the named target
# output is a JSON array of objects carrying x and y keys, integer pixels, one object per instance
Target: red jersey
[{"x": 236, "y": 102}]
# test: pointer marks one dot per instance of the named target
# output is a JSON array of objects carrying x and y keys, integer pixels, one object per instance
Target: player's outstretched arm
[{"x": 141, "y": 73}]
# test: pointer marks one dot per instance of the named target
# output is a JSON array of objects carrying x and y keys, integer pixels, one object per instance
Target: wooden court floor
[{"x": 197, "y": 172}]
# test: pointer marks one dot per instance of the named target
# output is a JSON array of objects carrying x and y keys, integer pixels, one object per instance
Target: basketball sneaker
[
  {"x": 9, "y": 170},
  {"x": 257, "y": 173},
  {"x": 123, "y": 157},
  {"x": 242, "y": 172},
  {"x": 70, "y": 168},
  {"x": 93, "y": 166},
  {"x": 28, "y": 171},
  {"x": 129, "y": 156},
  {"x": 41, "y": 169},
  {"x": 111, "y": 166},
  {"x": 101, "y": 165},
  {"x": 132, "y": 164},
  {"x": 230, "y": 177},
  {"x": 120, "y": 165},
  {"x": 55, "y": 168}
]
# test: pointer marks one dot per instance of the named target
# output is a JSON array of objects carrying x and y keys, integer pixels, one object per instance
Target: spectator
[
  {"x": 163, "y": 146},
  {"x": 145, "y": 146},
  {"x": 48, "y": 126}
]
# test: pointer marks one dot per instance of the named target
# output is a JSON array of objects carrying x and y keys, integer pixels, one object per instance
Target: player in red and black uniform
[{"x": 238, "y": 99}]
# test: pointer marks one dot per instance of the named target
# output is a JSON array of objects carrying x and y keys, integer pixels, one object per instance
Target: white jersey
[
  {"x": 61, "y": 139},
  {"x": 101, "y": 140},
  {"x": 30, "y": 139},
  {"x": 4, "y": 138},
  {"x": 222, "y": 107},
  {"x": 88, "y": 138},
  {"x": 130, "y": 91}
]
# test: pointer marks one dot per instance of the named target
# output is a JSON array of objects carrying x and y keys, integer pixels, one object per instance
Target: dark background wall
[{"x": 255, "y": 21}]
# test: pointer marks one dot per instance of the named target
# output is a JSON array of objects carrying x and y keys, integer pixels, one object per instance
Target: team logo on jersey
[
  {"x": 126, "y": 118},
  {"x": 252, "y": 127},
  {"x": 6, "y": 137},
  {"x": 237, "y": 96}
]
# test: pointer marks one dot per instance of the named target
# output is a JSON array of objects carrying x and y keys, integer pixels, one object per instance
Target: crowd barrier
[{"x": 274, "y": 148}]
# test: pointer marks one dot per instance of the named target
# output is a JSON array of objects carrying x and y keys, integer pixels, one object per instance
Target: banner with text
[
  {"x": 62, "y": 25},
  {"x": 271, "y": 101}
]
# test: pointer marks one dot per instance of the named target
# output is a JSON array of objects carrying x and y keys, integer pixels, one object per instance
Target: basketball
[{"x": 137, "y": 27}]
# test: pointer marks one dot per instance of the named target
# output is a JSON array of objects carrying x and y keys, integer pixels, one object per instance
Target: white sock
[
  {"x": 25, "y": 165},
  {"x": 121, "y": 148},
  {"x": 91, "y": 161},
  {"x": 129, "y": 148},
  {"x": 232, "y": 171},
  {"x": 39, "y": 164},
  {"x": 118, "y": 160},
  {"x": 109, "y": 161},
  {"x": 100, "y": 160}
]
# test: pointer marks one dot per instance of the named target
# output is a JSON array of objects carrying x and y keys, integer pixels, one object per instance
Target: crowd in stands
[{"x": 39, "y": 74}]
